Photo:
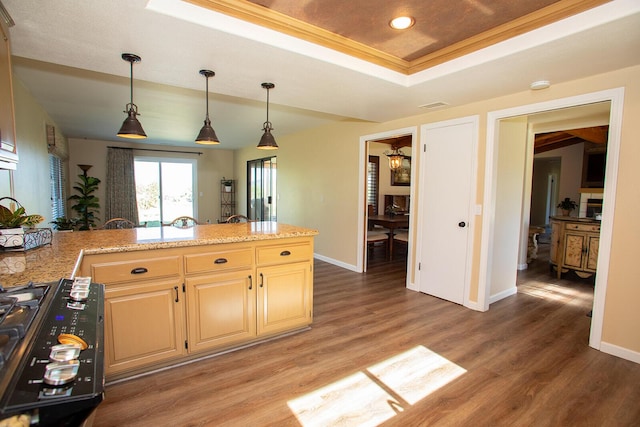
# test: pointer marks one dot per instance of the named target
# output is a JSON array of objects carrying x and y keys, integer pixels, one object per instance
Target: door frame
[
  {"x": 474, "y": 121},
  {"x": 616, "y": 98},
  {"x": 362, "y": 199}
]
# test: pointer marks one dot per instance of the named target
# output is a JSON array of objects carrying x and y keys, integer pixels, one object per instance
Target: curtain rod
[{"x": 162, "y": 151}]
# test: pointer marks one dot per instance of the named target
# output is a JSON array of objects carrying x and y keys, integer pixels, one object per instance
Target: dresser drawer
[
  {"x": 219, "y": 260},
  {"x": 281, "y": 254},
  {"x": 135, "y": 269},
  {"x": 583, "y": 227}
]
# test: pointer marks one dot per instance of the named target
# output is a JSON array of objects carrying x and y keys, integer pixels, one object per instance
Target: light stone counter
[{"x": 58, "y": 260}]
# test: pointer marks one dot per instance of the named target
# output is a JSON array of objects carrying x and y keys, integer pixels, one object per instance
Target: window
[
  {"x": 57, "y": 180},
  {"x": 262, "y": 189},
  {"x": 373, "y": 179},
  {"x": 164, "y": 189}
]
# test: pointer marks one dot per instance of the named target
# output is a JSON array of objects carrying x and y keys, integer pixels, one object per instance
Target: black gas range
[{"x": 51, "y": 351}]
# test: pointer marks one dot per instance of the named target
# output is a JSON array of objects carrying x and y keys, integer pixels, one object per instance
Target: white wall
[
  {"x": 508, "y": 207},
  {"x": 570, "y": 171}
]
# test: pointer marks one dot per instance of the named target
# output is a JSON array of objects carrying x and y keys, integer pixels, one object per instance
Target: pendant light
[
  {"x": 131, "y": 127},
  {"x": 267, "y": 142},
  {"x": 207, "y": 135},
  {"x": 395, "y": 158}
]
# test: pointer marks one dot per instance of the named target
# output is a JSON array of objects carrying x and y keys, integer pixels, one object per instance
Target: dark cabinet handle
[
  {"x": 462, "y": 224},
  {"x": 261, "y": 280},
  {"x": 175, "y": 288},
  {"x": 220, "y": 261},
  {"x": 250, "y": 283},
  {"x": 139, "y": 270},
  {"x": 285, "y": 253}
]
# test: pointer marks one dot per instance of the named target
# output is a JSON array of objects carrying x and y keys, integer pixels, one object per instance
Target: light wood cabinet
[
  {"x": 285, "y": 286},
  {"x": 8, "y": 151},
  {"x": 220, "y": 296},
  {"x": 144, "y": 324},
  {"x": 164, "y": 305},
  {"x": 574, "y": 246},
  {"x": 144, "y": 307},
  {"x": 285, "y": 297}
]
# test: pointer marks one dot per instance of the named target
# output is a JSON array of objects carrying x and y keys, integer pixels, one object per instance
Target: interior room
[{"x": 246, "y": 212}]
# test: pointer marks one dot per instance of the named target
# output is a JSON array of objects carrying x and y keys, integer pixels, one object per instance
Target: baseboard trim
[
  {"x": 623, "y": 353},
  {"x": 337, "y": 263},
  {"x": 502, "y": 295}
]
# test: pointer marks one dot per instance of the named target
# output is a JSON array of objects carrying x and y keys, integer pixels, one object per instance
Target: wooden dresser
[{"x": 574, "y": 245}]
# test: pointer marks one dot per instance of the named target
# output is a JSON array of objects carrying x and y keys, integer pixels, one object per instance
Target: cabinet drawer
[
  {"x": 281, "y": 254},
  {"x": 219, "y": 261},
  {"x": 583, "y": 227},
  {"x": 135, "y": 270}
]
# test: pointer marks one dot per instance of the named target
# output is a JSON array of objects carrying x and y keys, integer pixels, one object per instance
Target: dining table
[{"x": 392, "y": 222}]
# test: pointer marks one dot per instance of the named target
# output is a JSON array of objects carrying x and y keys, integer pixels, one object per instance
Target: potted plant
[
  {"x": 12, "y": 225},
  {"x": 86, "y": 204},
  {"x": 62, "y": 223},
  {"x": 227, "y": 184},
  {"x": 567, "y": 205}
]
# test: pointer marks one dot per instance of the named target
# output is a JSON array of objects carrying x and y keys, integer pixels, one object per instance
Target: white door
[{"x": 447, "y": 172}]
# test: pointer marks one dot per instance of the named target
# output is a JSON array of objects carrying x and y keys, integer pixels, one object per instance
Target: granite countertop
[{"x": 59, "y": 260}]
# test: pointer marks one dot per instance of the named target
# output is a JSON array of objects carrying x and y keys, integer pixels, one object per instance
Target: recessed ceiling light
[
  {"x": 402, "y": 22},
  {"x": 540, "y": 84}
]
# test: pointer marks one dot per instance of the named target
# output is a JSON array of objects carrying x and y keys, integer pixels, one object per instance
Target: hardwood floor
[{"x": 524, "y": 362}]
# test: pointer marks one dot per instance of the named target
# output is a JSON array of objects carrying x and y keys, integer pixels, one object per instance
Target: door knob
[{"x": 462, "y": 224}]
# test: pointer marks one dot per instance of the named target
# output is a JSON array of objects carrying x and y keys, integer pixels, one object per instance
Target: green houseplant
[
  {"x": 17, "y": 218},
  {"x": 86, "y": 203},
  {"x": 62, "y": 223},
  {"x": 12, "y": 225},
  {"x": 567, "y": 205}
]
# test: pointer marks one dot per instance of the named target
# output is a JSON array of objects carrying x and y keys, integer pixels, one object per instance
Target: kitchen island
[{"x": 174, "y": 295}]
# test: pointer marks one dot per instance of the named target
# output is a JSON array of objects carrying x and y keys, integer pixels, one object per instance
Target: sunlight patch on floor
[
  {"x": 375, "y": 395},
  {"x": 555, "y": 293}
]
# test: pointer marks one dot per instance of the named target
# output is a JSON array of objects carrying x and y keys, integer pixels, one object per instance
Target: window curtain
[{"x": 121, "y": 185}]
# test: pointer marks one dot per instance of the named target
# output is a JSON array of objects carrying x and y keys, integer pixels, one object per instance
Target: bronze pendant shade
[
  {"x": 207, "y": 135},
  {"x": 267, "y": 142},
  {"x": 131, "y": 127}
]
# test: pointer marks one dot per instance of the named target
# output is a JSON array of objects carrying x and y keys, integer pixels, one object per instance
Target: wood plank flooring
[{"x": 525, "y": 362}]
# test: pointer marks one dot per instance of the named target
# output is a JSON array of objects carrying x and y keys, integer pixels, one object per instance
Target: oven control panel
[{"x": 63, "y": 369}]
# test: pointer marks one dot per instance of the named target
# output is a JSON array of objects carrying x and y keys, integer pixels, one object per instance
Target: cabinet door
[
  {"x": 144, "y": 324},
  {"x": 574, "y": 244},
  {"x": 221, "y": 309},
  {"x": 285, "y": 297},
  {"x": 593, "y": 243}
]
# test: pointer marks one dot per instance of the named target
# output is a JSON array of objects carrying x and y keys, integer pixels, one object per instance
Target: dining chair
[
  {"x": 374, "y": 237},
  {"x": 184, "y": 222},
  {"x": 238, "y": 218},
  {"x": 115, "y": 223},
  {"x": 402, "y": 237}
]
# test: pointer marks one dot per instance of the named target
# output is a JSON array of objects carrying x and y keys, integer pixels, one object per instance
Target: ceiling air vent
[{"x": 433, "y": 105}]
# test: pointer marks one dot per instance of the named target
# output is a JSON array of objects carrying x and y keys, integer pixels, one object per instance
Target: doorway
[
  {"x": 408, "y": 134},
  {"x": 262, "y": 184},
  {"x": 489, "y": 262}
]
